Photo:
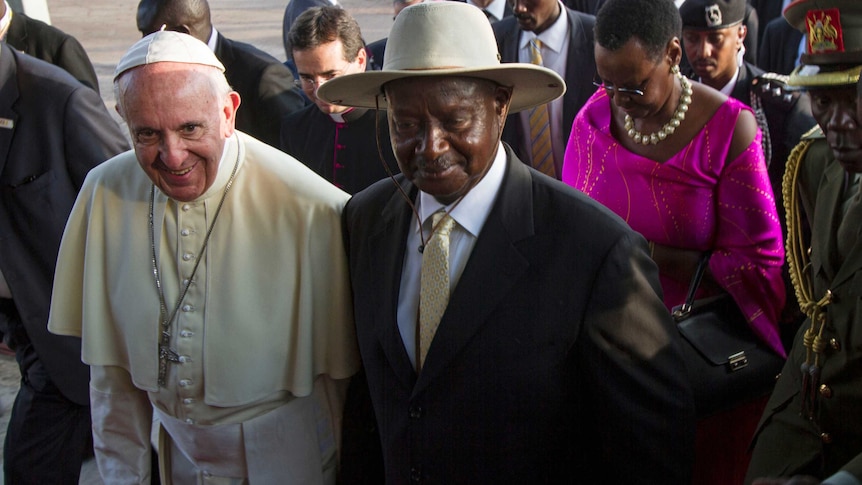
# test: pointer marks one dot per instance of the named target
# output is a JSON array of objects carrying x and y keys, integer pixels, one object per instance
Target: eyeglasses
[
  {"x": 611, "y": 88},
  {"x": 309, "y": 82}
]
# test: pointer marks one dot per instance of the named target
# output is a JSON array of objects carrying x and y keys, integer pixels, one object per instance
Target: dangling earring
[{"x": 674, "y": 69}]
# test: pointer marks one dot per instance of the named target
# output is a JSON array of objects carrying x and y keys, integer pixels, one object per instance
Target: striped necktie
[
  {"x": 540, "y": 125},
  {"x": 434, "y": 281}
]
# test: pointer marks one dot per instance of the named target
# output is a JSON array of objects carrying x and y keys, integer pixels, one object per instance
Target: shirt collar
[
  {"x": 497, "y": 8},
  {"x": 472, "y": 212},
  {"x": 213, "y": 39},
  {"x": 553, "y": 37},
  {"x": 728, "y": 88}
]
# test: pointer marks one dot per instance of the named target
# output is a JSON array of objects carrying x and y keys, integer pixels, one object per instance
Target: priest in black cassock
[{"x": 338, "y": 142}]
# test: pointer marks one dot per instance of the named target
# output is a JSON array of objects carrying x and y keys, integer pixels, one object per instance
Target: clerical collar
[
  {"x": 352, "y": 114},
  {"x": 472, "y": 212}
]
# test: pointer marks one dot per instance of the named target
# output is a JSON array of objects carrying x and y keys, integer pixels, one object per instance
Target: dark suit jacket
[
  {"x": 767, "y": 11},
  {"x": 265, "y": 86},
  {"x": 786, "y": 443},
  {"x": 61, "y": 130},
  {"x": 376, "y": 50},
  {"x": 554, "y": 362},
  {"x": 579, "y": 75},
  {"x": 587, "y": 6},
  {"x": 52, "y": 45},
  {"x": 779, "y": 50}
]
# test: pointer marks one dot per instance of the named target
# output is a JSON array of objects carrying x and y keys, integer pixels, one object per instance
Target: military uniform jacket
[{"x": 786, "y": 443}]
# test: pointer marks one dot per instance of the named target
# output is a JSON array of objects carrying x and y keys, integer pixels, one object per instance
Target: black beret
[{"x": 711, "y": 14}]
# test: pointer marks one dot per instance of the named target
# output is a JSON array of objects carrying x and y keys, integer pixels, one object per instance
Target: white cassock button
[{"x": 188, "y": 257}]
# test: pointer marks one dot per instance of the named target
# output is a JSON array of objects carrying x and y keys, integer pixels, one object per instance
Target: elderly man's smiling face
[
  {"x": 445, "y": 131},
  {"x": 179, "y": 116}
]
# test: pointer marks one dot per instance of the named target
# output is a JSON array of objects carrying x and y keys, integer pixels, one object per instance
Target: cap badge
[
  {"x": 824, "y": 31},
  {"x": 713, "y": 15}
]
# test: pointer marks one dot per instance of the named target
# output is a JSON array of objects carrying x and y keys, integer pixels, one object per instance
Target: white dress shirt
[
  {"x": 555, "y": 47},
  {"x": 470, "y": 215}
]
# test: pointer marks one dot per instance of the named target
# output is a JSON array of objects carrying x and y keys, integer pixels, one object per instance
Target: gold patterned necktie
[
  {"x": 434, "y": 281},
  {"x": 540, "y": 125}
]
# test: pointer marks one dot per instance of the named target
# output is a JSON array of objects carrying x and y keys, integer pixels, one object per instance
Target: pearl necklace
[{"x": 670, "y": 126}]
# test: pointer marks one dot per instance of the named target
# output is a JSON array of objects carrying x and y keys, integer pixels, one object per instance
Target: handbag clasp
[{"x": 737, "y": 361}]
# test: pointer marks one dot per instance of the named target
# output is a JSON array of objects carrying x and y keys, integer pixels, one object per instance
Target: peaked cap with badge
[{"x": 833, "y": 56}]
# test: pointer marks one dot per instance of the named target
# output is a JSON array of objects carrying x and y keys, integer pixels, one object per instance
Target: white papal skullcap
[{"x": 167, "y": 46}]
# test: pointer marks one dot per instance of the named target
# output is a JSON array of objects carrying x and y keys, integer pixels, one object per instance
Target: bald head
[{"x": 187, "y": 16}]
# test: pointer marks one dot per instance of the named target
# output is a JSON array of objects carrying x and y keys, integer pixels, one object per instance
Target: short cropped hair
[
  {"x": 653, "y": 22},
  {"x": 322, "y": 25}
]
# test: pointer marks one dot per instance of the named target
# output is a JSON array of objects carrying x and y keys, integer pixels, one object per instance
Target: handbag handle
[{"x": 683, "y": 311}]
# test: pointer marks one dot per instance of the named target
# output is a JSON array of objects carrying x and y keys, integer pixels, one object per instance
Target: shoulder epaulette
[{"x": 814, "y": 133}]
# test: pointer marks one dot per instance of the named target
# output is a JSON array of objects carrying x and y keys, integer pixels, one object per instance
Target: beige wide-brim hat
[{"x": 444, "y": 39}]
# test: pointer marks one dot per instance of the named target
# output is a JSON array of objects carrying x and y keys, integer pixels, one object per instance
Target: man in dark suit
[
  {"x": 780, "y": 47},
  {"x": 265, "y": 85},
  {"x": 50, "y": 44},
  {"x": 376, "y": 49},
  {"x": 493, "y": 9},
  {"x": 812, "y": 424},
  {"x": 53, "y": 130},
  {"x": 511, "y": 328},
  {"x": 567, "y": 38}
]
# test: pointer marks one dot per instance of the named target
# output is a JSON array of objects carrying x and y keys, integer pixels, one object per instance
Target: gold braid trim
[{"x": 799, "y": 266}]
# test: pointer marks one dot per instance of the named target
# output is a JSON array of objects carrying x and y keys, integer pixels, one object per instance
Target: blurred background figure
[
  {"x": 293, "y": 10},
  {"x": 47, "y": 43},
  {"x": 547, "y": 33},
  {"x": 262, "y": 81},
  {"x": 53, "y": 130}
]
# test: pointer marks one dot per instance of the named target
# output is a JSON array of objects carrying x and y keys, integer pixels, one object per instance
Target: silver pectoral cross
[{"x": 166, "y": 354}]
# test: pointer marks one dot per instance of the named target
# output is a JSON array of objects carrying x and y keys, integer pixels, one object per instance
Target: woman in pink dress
[{"x": 682, "y": 164}]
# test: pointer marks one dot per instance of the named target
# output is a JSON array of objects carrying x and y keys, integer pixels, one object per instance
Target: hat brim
[
  {"x": 532, "y": 85},
  {"x": 812, "y": 76}
]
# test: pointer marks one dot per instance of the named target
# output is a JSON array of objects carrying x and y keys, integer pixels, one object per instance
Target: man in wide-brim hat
[
  {"x": 510, "y": 327},
  {"x": 812, "y": 427}
]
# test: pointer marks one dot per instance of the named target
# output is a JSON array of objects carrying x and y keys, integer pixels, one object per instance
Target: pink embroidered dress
[{"x": 694, "y": 200}]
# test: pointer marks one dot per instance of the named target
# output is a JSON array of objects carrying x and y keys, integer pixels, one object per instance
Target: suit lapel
[
  {"x": 494, "y": 266},
  {"x": 387, "y": 246},
  {"x": 580, "y": 49},
  {"x": 17, "y": 34},
  {"x": 827, "y": 212},
  {"x": 8, "y": 97}
]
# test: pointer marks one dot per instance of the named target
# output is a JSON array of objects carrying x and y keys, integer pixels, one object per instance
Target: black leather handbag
[{"x": 727, "y": 364}]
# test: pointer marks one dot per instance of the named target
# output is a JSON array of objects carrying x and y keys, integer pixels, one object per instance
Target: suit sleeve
[
  {"x": 278, "y": 97},
  {"x": 90, "y": 134},
  {"x": 642, "y": 405},
  {"x": 72, "y": 57},
  {"x": 122, "y": 420}
]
